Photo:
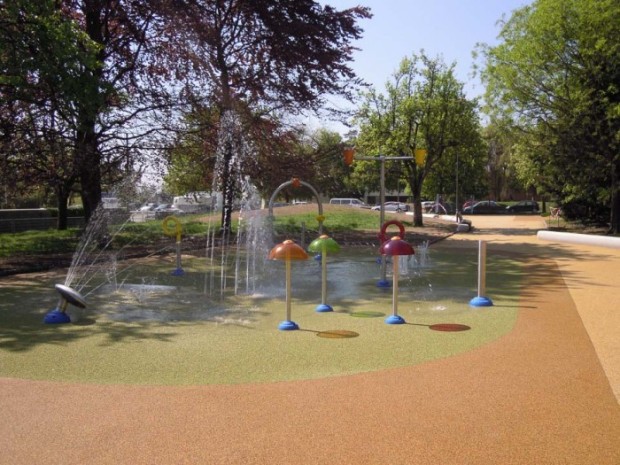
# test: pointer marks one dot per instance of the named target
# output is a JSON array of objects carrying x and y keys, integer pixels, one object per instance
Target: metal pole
[
  {"x": 382, "y": 220},
  {"x": 324, "y": 275},
  {"x": 382, "y": 193},
  {"x": 395, "y": 259},
  {"x": 178, "y": 254},
  {"x": 456, "y": 200}
]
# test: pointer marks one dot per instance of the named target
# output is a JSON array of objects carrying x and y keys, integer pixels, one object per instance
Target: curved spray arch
[{"x": 295, "y": 182}]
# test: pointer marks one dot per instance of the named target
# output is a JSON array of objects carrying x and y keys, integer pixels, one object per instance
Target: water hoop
[
  {"x": 171, "y": 226},
  {"x": 383, "y": 237}
]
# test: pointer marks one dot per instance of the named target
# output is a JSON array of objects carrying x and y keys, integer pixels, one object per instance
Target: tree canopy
[
  {"x": 553, "y": 83},
  {"x": 424, "y": 107},
  {"x": 115, "y": 76}
]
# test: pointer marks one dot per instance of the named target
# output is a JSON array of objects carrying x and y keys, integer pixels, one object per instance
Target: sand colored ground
[{"x": 542, "y": 394}]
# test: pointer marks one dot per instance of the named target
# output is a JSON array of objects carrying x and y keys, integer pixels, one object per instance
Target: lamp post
[{"x": 456, "y": 197}]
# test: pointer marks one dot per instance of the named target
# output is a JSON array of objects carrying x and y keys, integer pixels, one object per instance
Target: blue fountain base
[
  {"x": 324, "y": 308},
  {"x": 178, "y": 272},
  {"x": 481, "y": 302},
  {"x": 384, "y": 283},
  {"x": 395, "y": 320},
  {"x": 288, "y": 325},
  {"x": 55, "y": 317}
]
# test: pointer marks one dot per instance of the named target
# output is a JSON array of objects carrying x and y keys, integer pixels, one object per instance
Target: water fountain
[
  {"x": 323, "y": 245},
  {"x": 395, "y": 247},
  {"x": 288, "y": 251},
  {"x": 67, "y": 296},
  {"x": 172, "y": 227},
  {"x": 422, "y": 254}
]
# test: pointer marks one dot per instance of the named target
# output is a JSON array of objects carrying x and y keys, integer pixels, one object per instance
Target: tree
[
  {"x": 554, "y": 79},
  {"x": 425, "y": 107},
  {"x": 139, "y": 62},
  {"x": 39, "y": 52},
  {"x": 102, "y": 70},
  {"x": 322, "y": 150},
  {"x": 262, "y": 57}
]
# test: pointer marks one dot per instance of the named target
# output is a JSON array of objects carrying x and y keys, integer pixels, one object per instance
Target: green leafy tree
[
  {"x": 554, "y": 79},
  {"x": 191, "y": 156},
  {"x": 424, "y": 107},
  {"x": 328, "y": 173},
  {"x": 40, "y": 55}
]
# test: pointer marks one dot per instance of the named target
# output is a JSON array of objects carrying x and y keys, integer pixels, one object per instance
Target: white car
[{"x": 392, "y": 207}]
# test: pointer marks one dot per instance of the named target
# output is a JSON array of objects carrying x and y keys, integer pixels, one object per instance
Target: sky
[{"x": 447, "y": 28}]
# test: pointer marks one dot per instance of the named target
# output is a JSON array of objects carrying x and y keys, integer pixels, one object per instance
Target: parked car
[
  {"x": 167, "y": 209},
  {"x": 469, "y": 203},
  {"x": 525, "y": 206},
  {"x": 349, "y": 202},
  {"x": 148, "y": 207},
  {"x": 392, "y": 207},
  {"x": 427, "y": 204},
  {"x": 488, "y": 207},
  {"x": 441, "y": 208}
]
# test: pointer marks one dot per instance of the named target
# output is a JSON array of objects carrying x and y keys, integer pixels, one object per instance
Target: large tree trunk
[
  {"x": 415, "y": 178},
  {"x": 89, "y": 170},
  {"x": 62, "y": 199}
]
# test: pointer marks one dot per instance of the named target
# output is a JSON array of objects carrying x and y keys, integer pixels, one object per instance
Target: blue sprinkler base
[
  {"x": 288, "y": 325},
  {"x": 55, "y": 317},
  {"x": 395, "y": 320},
  {"x": 384, "y": 283},
  {"x": 324, "y": 308},
  {"x": 481, "y": 302},
  {"x": 178, "y": 272}
]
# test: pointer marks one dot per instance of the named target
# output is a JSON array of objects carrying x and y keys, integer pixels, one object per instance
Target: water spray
[{"x": 172, "y": 227}]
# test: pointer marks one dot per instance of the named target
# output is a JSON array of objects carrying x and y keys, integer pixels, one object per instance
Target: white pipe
[
  {"x": 585, "y": 239},
  {"x": 324, "y": 275},
  {"x": 395, "y": 273},
  {"x": 288, "y": 290},
  {"x": 482, "y": 266}
]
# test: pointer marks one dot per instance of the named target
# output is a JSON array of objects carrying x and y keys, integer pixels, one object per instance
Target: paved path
[
  {"x": 591, "y": 274},
  {"x": 538, "y": 396}
]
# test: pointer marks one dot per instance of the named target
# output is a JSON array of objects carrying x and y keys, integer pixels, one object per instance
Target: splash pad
[
  {"x": 153, "y": 328},
  {"x": 144, "y": 324}
]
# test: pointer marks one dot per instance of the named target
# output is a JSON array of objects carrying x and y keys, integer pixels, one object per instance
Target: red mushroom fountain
[{"x": 395, "y": 247}]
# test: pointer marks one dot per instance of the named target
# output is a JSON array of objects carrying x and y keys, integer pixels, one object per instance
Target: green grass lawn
[{"x": 337, "y": 219}]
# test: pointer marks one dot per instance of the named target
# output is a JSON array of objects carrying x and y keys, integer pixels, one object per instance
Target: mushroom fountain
[
  {"x": 288, "y": 251},
  {"x": 395, "y": 247},
  {"x": 323, "y": 245}
]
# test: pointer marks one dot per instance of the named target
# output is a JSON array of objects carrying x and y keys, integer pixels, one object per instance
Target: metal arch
[{"x": 303, "y": 183}]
